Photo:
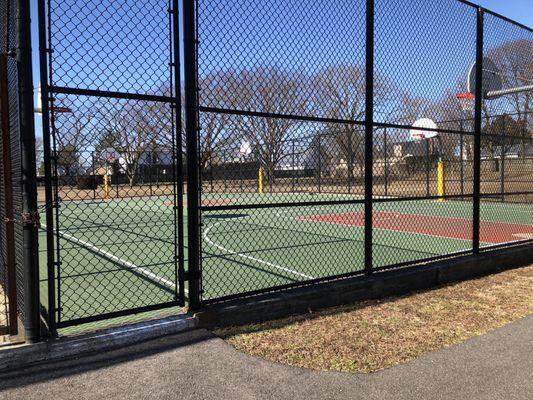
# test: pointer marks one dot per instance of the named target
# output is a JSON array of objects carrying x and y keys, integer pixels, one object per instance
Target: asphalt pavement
[{"x": 197, "y": 365}]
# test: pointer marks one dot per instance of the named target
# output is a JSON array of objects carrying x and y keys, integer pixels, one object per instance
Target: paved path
[{"x": 196, "y": 365}]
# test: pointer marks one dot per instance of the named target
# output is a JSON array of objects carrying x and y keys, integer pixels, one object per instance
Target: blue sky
[
  {"x": 426, "y": 58},
  {"x": 518, "y": 10}
]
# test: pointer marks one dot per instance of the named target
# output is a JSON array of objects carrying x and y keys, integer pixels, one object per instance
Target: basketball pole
[
  {"x": 260, "y": 181},
  {"x": 497, "y": 93},
  {"x": 106, "y": 182},
  {"x": 106, "y": 187},
  {"x": 441, "y": 189}
]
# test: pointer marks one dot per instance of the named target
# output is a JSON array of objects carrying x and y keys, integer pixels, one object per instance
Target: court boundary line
[
  {"x": 236, "y": 253},
  {"x": 128, "y": 264}
]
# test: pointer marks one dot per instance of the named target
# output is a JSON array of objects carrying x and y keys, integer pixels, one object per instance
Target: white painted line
[
  {"x": 125, "y": 263},
  {"x": 258, "y": 260}
]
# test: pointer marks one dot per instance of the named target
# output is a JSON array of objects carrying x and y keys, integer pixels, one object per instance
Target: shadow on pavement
[{"x": 18, "y": 377}]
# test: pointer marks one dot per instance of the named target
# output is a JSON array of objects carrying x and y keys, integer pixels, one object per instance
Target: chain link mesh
[
  {"x": 282, "y": 139},
  {"x": 281, "y": 103},
  {"x": 114, "y": 140}
]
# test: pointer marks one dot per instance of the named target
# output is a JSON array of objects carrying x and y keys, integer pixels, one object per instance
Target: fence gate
[{"x": 112, "y": 158}]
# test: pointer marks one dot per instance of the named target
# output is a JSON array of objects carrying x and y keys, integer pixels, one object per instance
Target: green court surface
[{"x": 120, "y": 254}]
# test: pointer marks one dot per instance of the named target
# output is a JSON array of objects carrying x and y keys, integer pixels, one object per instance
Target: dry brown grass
[{"x": 378, "y": 334}]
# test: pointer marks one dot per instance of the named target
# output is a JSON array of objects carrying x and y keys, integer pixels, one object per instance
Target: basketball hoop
[
  {"x": 466, "y": 101},
  {"x": 61, "y": 110},
  {"x": 110, "y": 155},
  {"x": 55, "y": 109}
]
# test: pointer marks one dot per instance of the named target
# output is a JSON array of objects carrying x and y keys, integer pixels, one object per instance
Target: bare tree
[
  {"x": 133, "y": 131},
  {"x": 515, "y": 61},
  {"x": 273, "y": 91},
  {"x": 217, "y": 133},
  {"x": 72, "y": 137},
  {"x": 340, "y": 94}
]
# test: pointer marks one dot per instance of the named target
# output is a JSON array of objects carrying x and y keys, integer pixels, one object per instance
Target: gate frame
[{"x": 48, "y": 89}]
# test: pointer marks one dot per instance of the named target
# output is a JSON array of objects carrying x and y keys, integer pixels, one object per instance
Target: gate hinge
[{"x": 31, "y": 219}]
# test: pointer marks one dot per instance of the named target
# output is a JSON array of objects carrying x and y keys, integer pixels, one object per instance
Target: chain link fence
[
  {"x": 297, "y": 161},
  {"x": 309, "y": 168}
]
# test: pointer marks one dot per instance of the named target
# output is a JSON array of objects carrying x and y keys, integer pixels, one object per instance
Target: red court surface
[{"x": 447, "y": 227}]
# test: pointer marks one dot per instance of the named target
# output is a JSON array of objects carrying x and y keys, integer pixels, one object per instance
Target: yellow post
[
  {"x": 441, "y": 189},
  {"x": 106, "y": 187},
  {"x": 261, "y": 178}
]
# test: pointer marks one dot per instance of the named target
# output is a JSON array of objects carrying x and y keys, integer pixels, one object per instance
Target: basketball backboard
[
  {"x": 420, "y": 131},
  {"x": 491, "y": 82}
]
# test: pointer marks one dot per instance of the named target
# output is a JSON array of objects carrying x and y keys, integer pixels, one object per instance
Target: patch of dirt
[{"x": 373, "y": 335}]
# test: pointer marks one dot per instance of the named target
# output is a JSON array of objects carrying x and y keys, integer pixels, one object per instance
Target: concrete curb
[
  {"x": 104, "y": 340},
  {"x": 401, "y": 281}
]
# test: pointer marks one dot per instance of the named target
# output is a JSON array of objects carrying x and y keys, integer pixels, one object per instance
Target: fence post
[
  {"x": 30, "y": 216},
  {"x": 477, "y": 131},
  {"x": 461, "y": 152},
  {"x": 223, "y": 172},
  {"x": 192, "y": 130},
  {"x": 502, "y": 160},
  {"x": 349, "y": 162},
  {"x": 151, "y": 173},
  {"x": 292, "y": 169},
  {"x": 369, "y": 126},
  {"x": 211, "y": 183},
  {"x": 319, "y": 163},
  {"x": 386, "y": 172},
  {"x": 427, "y": 168},
  {"x": 177, "y": 154}
]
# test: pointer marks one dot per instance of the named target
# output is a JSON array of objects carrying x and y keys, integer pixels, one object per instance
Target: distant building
[
  {"x": 514, "y": 151},
  {"x": 414, "y": 148}
]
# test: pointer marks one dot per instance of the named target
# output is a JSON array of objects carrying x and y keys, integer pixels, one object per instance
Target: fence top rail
[{"x": 495, "y": 14}]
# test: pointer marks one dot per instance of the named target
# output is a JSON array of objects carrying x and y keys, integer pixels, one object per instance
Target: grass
[{"x": 374, "y": 335}]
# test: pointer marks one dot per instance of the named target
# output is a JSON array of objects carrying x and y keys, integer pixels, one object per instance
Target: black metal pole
[
  {"x": 223, "y": 171},
  {"x": 350, "y": 161},
  {"x": 211, "y": 183},
  {"x": 192, "y": 131},
  {"x": 93, "y": 174},
  {"x": 427, "y": 167},
  {"x": 477, "y": 131},
  {"x": 461, "y": 153},
  {"x": 502, "y": 161},
  {"x": 386, "y": 163},
  {"x": 49, "y": 202},
  {"x": 292, "y": 169},
  {"x": 319, "y": 164},
  {"x": 29, "y": 178},
  {"x": 177, "y": 150},
  {"x": 151, "y": 173},
  {"x": 369, "y": 127}
]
